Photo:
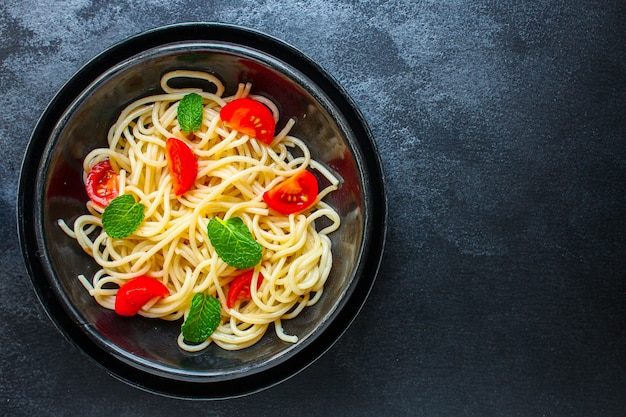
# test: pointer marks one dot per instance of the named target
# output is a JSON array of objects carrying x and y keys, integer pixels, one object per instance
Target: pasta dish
[{"x": 201, "y": 211}]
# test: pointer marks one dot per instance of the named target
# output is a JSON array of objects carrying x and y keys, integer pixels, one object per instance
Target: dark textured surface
[{"x": 502, "y": 130}]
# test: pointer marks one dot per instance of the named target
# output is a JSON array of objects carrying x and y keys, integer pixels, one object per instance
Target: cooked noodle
[{"x": 172, "y": 244}]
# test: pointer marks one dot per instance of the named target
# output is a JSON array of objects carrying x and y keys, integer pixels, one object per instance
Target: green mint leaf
[
  {"x": 122, "y": 216},
  {"x": 234, "y": 243},
  {"x": 203, "y": 318},
  {"x": 190, "y": 112}
]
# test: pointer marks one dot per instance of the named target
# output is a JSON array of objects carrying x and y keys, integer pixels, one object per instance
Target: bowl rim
[{"x": 374, "y": 231}]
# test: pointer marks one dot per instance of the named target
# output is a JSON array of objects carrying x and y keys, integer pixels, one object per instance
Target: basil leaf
[
  {"x": 203, "y": 318},
  {"x": 122, "y": 216},
  {"x": 234, "y": 243},
  {"x": 190, "y": 112}
]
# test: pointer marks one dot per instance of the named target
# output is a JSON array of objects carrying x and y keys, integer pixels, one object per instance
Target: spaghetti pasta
[{"x": 171, "y": 244}]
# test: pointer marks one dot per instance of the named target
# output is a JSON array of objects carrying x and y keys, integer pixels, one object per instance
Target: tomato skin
[
  {"x": 183, "y": 165},
  {"x": 249, "y": 117},
  {"x": 239, "y": 288},
  {"x": 295, "y": 194},
  {"x": 136, "y": 292},
  {"x": 101, "y": 183}
]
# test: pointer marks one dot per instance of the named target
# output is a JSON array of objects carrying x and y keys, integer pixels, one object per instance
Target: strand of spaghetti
[
  {"x": 144, "y": 127},
  {"x": 101, "y": 255},
  {"x": 292, "y": 246},
  {"x": 203, "y": 285},
  {"x": 163, "y": 120},
  {"x": 262, "y": 318},
  {"x": 278, "y": 293},
  {"x": 229, "y": 141},
  {"x": 70, "y": 232},
  {"x": 192, "y": 348},
  {"x": 242, "y": 91},
  {"x": 230, "y": 342},
  {"x": 120, "y": 274},
  {"x": 303, "y": 271},
  {"x": 168, "y": 256},
  {"x": 174, "y": 302},
  {"x": 283, "y": 132},
  {"x": 79, "y": 229},
  {"x": 165, "y": 79},
  {"x": 220, "y": 292},
  {"x": 121, "y": 183},
  {"x": 240, "y": 329},
  {"x": 213, "y": 165},
  {"x": 299, "y": 307},
  {"x": 126, "y": 117},
  {"x": 150, "y": 142},
  {"x": 211, "y": 119},
  {"x": 164, "y": 238},
  {"x": 83, "y": 280},
  {"x": 163, "y": 115},
  {"x": 247, "y": 207},
  {"x": 281, "y": 333},
  {"x": 100, "y": 154},
  {"x": 324, "y": 210},
  {"x": 317, "y": 295}
]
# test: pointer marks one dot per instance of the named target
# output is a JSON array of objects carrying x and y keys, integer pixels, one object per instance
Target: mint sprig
[
  {"x": 190, "y": 112},
  {"x": 122, "y": 216},
  {"x": 203, "y": 318},
  {"x": 234, "y": 243}
]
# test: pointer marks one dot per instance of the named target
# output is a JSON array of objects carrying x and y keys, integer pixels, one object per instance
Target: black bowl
[{"x": 144, "y": 352}]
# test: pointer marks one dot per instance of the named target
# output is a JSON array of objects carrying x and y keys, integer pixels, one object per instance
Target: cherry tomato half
[
  {"x": 182, "y": 163},
  {"x": 294, "y": 194},
  {"x": 239, "y": 288},
  {"x": 101, "y": 183},
  {"x": 136, "y": 292},
  {"x": 250, "y": 117}
]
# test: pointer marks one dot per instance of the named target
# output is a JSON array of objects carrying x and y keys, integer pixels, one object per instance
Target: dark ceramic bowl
[{"x": 144, "y": 352}]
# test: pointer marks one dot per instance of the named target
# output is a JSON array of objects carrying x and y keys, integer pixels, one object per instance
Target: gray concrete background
[{"x": 501, "y": 127}]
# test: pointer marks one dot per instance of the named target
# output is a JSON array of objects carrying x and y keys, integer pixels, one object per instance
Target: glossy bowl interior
[{"x": 144, "y": 352}]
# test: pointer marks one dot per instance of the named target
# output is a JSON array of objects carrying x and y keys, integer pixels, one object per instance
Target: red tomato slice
[
  {"x": 294, "y": 194},
  {"x": 250, "y": 117},
  {"x": 101, "y": 184},
  {"x": 182, "y": 163},
  {"x": 136, "y": 292},
  {"x": 239, "y": 288}
]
